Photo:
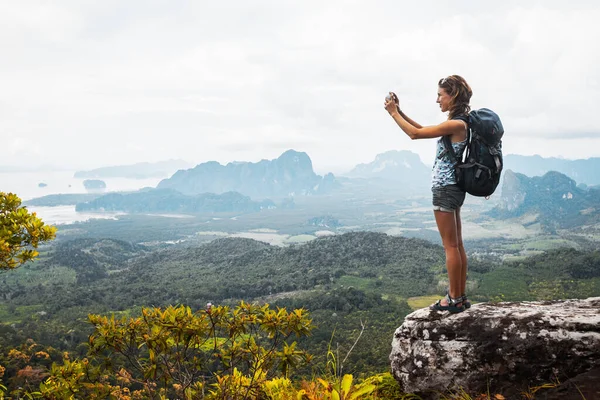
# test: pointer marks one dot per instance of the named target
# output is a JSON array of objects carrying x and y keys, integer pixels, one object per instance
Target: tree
[
  {"x": 217, "y": 353},
  {"x": 20, "y": 232}
]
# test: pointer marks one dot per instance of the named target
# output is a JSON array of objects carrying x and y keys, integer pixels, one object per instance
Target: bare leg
[
  {"x": 447, "y": 225},
  {"x": 463, "y": 254}
]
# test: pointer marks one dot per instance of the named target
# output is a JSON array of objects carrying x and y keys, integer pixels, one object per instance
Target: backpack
[{"x": 479, "y": 173}]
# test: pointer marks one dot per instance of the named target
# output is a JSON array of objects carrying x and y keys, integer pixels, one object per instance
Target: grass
[
  {"x": 541, "y": 244},
  {"x": 50, "y": 275},
  {"x": 549, "y": 244},
  {"x": 419, "y": 302},
  {"x": 300, "y": 238},
  {"x": 16, "y": 314},
  {"x": 530, "y": 394},
  {"x": 356, "y": 282}
]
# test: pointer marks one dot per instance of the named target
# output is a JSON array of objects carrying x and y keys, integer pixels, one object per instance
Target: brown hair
[{"x": 460, "y": 92}]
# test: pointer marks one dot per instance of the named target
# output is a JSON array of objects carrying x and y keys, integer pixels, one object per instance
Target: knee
[{"x": 451, "y": 246}]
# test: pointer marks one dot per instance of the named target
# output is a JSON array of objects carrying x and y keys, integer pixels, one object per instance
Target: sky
[{"x": 85, "y": 84}]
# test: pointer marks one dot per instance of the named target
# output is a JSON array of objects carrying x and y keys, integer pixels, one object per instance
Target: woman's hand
[{"x": 391, "y": 103}]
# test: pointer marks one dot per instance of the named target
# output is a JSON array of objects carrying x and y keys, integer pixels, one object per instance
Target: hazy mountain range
[
  {"x": 282, "y": 176},
  {"x": 291, "y": 174},
  {"x": 554, "y": 200},
  {"x": 585, "y": 171},
  {"x": 404, "y": 168},
  {"x": 391, "y": 175},
  {"x": 143, "y": 170}
]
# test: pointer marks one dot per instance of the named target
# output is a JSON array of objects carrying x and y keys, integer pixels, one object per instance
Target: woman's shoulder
[
  {"x": 462, "y": 126},
  {"x": 461, "y": 117}
]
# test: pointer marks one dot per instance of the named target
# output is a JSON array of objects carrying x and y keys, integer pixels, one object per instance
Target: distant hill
[
  {"x": 405, "y": 266},
  {"x": 244, "y": 268},
  {"x": 93, "y": 259},
  {"x": 403, "y": 167},
  {"x": 143, "y": 170},
  {"x": 171, "y": 201},
  {"x": 53, "y": 200},
  {"x": 554, "y": 199},
  {"x": 583, "y": 171},
  {"x": 289, "y": 175},
  {"x": 94, "y": 184},
  {"x": 343, "y": 281}
]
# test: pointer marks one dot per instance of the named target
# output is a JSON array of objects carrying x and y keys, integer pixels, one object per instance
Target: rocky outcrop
[
  {"x": 513, "y": 192},
  {"x": 499, "y": 346}
]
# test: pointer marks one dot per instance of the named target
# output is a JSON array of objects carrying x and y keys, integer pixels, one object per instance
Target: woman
[{"x": 453, "y": 97}]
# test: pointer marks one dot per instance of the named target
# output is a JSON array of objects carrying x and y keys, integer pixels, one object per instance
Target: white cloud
[{"x": 122, "y": 82}]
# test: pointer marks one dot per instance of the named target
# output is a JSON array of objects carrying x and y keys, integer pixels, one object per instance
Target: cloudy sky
[{"x": 85, "y": 84}]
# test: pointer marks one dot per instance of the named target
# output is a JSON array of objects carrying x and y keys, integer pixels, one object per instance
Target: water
[
  {"x": 64, "y": 215},
  {"x": 25, "y": 185}
]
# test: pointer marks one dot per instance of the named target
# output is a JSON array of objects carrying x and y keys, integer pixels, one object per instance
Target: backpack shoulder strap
[
  {"x": 464, "y": 118},
  {"x": 448, "y": 144},
  {"x": 448, "y": 149}
]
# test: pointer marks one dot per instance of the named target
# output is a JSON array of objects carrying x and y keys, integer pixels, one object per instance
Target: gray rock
[{"x": 496, "y": 345}]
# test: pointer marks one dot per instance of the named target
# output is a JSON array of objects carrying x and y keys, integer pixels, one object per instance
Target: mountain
[
  {"x": 289, "y": 175},
  {"x": 585, "y": 171},
  {"x": 53, "y": 200},
  {"x": 402, "y": 168},
  {"x": 554, "y": 199},
  {"x": 171, "y": 201},
  {"x": 143, "y": 170}
]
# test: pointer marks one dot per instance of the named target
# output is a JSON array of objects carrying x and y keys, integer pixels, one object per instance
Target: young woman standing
[{"x": 453, "y": 97}]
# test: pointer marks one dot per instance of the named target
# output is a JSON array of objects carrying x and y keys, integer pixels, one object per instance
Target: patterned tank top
[{"x": 443, "y": 168}]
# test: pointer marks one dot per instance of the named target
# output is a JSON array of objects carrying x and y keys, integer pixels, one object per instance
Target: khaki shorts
[{"x": 447, "y": 198}]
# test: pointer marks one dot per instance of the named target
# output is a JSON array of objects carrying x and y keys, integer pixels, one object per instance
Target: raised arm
[
  {"x": 406, "y": 117},
  {"x": 393, "y": 96},
  {"x": 417, "y": 131}
]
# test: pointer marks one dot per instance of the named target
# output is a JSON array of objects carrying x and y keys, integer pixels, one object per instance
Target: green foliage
[
  {"x": 215, "y": 353},
  {"x": 219, "y": 347},
  {"x": 345, "y": 281},
  {"x": 342, "y": 280},
  {"x": 555, "y": 274},
  {"x": 26, "y": 366},
  {"x": 20, "y": 232}
]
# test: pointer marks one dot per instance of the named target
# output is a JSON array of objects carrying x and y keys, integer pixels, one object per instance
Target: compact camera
[{"x": 391, "y": 96}]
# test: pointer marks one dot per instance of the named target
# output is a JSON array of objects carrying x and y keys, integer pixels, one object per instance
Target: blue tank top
[{"x": 443, "y": 168}]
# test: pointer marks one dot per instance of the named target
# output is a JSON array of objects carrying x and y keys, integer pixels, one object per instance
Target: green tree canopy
[{"x": 20, "y": 232}]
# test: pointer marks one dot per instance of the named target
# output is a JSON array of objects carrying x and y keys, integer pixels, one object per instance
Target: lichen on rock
[{"x": 499, "y": 345}]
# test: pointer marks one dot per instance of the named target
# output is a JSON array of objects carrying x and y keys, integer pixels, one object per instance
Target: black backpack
[{"x": 479, "y": 172}]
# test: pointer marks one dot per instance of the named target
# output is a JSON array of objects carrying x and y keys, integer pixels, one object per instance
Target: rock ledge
[{"x": 496, "y": 345}]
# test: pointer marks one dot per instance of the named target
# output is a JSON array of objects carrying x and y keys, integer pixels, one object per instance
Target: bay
[{"x": 26, "y": 186}]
